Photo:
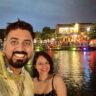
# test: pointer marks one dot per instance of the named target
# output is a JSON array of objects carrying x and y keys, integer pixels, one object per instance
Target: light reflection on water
[{"x": 78, "y": 69}]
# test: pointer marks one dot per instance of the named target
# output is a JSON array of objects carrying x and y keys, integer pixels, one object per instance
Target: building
[{"x": 75, "y": 32}]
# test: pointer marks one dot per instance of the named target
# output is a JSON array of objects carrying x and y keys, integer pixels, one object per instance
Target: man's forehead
[{"x": 19, "y": 33}]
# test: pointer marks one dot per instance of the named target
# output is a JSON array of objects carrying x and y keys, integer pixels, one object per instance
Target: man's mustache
[{"x": 20, "y": 52}]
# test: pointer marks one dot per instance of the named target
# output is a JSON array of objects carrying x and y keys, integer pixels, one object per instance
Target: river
[{"x": 78, "y": 69}]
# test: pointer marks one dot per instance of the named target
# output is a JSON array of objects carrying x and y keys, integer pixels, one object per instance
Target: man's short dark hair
[{"x": 22, "y": 25}]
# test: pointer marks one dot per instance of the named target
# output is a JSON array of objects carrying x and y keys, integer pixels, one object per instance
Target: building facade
[{"x": 75, "y": 33}]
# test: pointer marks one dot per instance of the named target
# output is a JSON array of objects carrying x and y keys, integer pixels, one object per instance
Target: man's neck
[{"x": 15, "y": 71}]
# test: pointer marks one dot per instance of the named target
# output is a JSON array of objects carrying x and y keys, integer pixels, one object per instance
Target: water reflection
[
  {"x": 78, "y": 69},
  {"x": 92, "y": 65}
]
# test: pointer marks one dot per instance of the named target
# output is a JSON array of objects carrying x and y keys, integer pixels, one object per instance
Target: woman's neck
[{"x": 44, "y": 77}]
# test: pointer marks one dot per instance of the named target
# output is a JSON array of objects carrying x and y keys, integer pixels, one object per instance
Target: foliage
[
  {"x": 46, "y": 33},
  {"x": 38, "y": 35},
  {"x": 2, "y": 33},
  {"x": 92, "y": 35}
]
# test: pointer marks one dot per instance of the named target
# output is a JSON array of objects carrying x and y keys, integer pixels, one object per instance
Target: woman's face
[{"x": 42, "y": 65}]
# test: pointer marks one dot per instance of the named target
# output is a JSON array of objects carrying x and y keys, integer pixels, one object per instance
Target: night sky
[{"x": 41, "y": 13}]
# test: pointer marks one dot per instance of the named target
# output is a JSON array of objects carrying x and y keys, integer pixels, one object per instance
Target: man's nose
[{"x": 20, "y": 47}]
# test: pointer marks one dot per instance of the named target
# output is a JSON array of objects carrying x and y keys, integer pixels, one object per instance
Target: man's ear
[{"x": 4, "y": 44}]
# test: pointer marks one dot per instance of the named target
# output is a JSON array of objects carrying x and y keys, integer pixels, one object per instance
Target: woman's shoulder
[
  {"x": 59, "y": 84},
  {"x": 34, "y": 79},
  {"x": 58, "y": 77}
]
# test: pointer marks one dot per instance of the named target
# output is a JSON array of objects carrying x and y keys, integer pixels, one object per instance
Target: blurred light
[
  {"x": 84, "y": 48},
  {"x": 76, "y": 27},
  {"x": 88, "y": 29},
  {"x": 73, "y": 49}
]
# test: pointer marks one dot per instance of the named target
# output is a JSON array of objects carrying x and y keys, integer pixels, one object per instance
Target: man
[{"x": 17, "y": 51}]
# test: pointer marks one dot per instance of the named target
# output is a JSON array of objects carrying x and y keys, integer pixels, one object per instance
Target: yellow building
[
  {"x": 75, "y": 28},
  {"x": 75, "y": 32}
]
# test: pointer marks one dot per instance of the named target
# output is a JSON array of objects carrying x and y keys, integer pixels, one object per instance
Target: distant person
[
  {"x": 17, "y": 50},
  {"x": 46, "y": 83}
]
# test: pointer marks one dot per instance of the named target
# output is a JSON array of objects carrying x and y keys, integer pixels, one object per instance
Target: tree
[
  {"x": 2, "y": 34},
  {"x": 92, "y": 35},
  {"x": 37, "y": 35},
  {"x": 47, "y": 33}
]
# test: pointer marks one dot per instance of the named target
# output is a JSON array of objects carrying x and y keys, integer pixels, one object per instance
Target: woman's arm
[{"x": 60, "y": 86}]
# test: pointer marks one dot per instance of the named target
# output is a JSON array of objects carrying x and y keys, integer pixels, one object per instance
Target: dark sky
[{"x": 41, "y": 13}]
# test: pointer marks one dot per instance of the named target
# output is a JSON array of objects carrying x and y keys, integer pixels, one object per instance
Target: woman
[{"x": 46, "y": 83}]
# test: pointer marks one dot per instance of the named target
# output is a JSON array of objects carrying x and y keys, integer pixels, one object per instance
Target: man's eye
[
  {"x": 14, "y": 42},
  {"x": 27, "y": 43}
]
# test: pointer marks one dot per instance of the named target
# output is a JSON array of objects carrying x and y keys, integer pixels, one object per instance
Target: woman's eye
[
  {"x": 43, "y": 63},
  {"x": 47, "y": 63},
  {"x": 40, "y": 64}
]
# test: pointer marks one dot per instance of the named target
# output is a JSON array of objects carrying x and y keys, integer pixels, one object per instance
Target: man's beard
[{"x": 18, "y": 63}]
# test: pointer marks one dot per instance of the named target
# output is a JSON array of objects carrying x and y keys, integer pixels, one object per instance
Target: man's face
[{"x": 18, "y": 47}]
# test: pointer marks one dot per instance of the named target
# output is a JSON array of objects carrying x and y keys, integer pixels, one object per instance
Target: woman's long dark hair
[{"x": 36, "y": 56}]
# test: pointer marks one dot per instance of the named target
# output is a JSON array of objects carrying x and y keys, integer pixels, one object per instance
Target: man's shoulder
[
  {"x": 1, "y": 56},
  {"x": 27, "y": 73},
  {"x": 1, "y": 52}
]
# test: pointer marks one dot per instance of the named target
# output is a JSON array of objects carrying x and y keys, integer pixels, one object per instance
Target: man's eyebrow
[
  {"x": 14, "y": 38},
  {"x": 27, "y": 40}
]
